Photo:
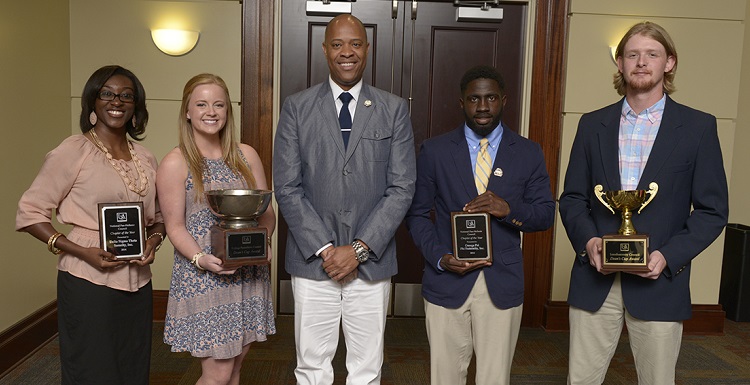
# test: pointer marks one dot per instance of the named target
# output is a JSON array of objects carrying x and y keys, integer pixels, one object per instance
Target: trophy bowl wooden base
[
  {"x": 628, "y": 253},
  {"x": 240, "y": 247}
]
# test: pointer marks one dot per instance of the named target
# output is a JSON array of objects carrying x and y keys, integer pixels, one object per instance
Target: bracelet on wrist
[
  {"x": 161, "y": 240},
  {"x": 195, "y": 260},
  {"x": 51, "y": 244}
]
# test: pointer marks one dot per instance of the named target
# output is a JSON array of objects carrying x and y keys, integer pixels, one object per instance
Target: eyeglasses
[{"x": 109, "y": 96}]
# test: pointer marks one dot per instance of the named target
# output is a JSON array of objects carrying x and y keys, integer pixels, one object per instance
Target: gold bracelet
[
  {"x": 196, "y": 257},
  {"x": 268, "y": 240},
  {"x": 51, "y": 244},
  {"x": 160, "y": 242}
]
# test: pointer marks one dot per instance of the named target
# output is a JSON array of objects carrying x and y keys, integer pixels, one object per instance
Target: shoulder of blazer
[
  {"x": 455, "y": 136},
  {"x": 313, "y": 92},
  {"x": 369, "y": 91}
]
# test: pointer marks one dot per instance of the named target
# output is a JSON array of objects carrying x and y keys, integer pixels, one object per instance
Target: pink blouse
[{"x": 75, "y": 177}]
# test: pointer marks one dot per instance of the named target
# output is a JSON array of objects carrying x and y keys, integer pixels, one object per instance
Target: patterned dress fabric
[{"x": 212, "y": 315}]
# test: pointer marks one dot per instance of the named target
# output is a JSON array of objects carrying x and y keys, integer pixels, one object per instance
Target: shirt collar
[
  {"x": 336, "y": 90},
  {"x": 494, "y": 137},
  {"x": 652, "y": 113}
]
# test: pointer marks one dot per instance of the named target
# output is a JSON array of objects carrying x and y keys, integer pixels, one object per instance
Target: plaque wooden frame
[
  {"x": 240, "y": 247},
  {"x": 122, "y": 229},
  {"x": 472, "y": 236}
]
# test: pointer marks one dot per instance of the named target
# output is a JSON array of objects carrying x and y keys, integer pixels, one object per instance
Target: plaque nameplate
[
  {"x": 472, "y": 236},
  {"x": 122, "y": 229}
]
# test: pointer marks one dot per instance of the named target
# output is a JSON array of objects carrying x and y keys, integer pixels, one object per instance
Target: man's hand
[
  {"x": 339, "y": 262},
  {"x": 594, "y": 252},
  {"x": 656, "y": 264},
  {"x": 488, "y": 202},
  {"x": 450, "y": 263}
]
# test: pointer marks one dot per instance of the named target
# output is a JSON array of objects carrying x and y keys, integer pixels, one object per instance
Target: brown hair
[{"x": 656, "y": 32}]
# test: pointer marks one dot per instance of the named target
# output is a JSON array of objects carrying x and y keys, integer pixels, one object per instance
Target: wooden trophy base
[
  {"x": 240, "y": 247},
  {"x": 628, "y": 253}
]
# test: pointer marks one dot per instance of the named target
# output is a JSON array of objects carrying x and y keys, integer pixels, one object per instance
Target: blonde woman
[{"x": 213, "y": 312}]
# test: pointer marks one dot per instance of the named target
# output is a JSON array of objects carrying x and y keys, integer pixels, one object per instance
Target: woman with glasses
[{"x": 104, "y": 301}]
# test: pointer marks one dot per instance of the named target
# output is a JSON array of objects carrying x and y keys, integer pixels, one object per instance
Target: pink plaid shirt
[{"x": 636, "y": 138}]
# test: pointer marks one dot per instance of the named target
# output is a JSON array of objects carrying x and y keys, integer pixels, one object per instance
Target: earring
[
  {"x": 92, "y": 118},
  {"x": 133, "y": 121}
]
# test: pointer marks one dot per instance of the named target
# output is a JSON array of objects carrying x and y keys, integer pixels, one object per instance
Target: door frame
[{"x": 545, "y": 119}]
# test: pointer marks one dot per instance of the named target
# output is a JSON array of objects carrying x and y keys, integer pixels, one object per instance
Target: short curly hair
[{"x": 482, "y": 72}]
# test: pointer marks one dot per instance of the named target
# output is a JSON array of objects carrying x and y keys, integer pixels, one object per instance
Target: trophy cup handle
[
  {"x": 598, "y": 191},
  {"x": 652, "y": 189}
]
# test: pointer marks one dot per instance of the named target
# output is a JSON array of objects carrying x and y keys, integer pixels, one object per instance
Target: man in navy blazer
[
  {"x": 476, "y": 306},
  {"x": 645, "y": 137}
]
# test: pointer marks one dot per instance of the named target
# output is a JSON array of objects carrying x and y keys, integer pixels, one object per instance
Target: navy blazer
[
  {"x": 445, "y": 183},
  {"x": 689, "y": 211}
]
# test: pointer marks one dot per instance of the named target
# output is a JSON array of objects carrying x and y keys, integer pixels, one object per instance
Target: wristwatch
[{"x": 360, "y": 252}]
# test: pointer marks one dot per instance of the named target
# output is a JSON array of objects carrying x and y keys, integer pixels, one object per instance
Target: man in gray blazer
[{"x": 343, "y": 184}]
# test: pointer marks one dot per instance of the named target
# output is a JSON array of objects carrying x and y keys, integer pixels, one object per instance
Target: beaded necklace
[{"x": 131, "y": 184}]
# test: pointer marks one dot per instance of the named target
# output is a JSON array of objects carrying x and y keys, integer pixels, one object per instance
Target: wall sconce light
[
  {"x": 613, "y": 53},
  {"x": 175, "y": 42}
]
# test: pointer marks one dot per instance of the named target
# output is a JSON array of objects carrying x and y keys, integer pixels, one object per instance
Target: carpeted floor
[{"x": 541, "y": 358}]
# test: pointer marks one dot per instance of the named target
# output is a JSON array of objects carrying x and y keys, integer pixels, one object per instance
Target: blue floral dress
[{"x": 212, "y": 315}]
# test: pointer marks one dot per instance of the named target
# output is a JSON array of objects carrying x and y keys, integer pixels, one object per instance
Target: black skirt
[{"x": 105, "y": 334}]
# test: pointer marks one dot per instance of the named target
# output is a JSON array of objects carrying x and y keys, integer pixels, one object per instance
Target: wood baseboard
[
  {"x": 27, "y": 336},
  {"x": 707, "y": 319},
  {"x": 160, "y": 304}
]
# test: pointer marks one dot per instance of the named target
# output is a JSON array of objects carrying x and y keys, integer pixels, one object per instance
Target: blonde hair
[
  {"x": 229, "y": 142},
  {"x": 656, "y": 32}
]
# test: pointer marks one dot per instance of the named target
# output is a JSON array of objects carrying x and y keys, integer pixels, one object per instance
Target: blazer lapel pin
[
  {"x": 368, "y": 103},
  {"x": 498, "y": 172}
]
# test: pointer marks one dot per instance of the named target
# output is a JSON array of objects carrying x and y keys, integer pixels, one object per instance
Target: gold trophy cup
[
  {"x": 237, "y": 239},
  {"x": 626, "y": 250}
]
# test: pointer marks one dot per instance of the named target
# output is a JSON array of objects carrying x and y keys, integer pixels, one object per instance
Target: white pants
[
  {"x": 477, "y": 326},
  {"x": 594, "y": 337},
  {"x": 319, "y": 306}
]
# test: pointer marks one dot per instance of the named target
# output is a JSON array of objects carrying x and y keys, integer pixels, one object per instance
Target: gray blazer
[{"x": 331, "y": 194}]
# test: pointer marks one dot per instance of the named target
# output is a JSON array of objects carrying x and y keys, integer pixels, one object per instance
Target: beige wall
[
  {"x": 709, "y": 40},
  {"x": 35, "y": 77}
]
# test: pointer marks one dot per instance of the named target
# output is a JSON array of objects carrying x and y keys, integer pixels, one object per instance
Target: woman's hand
[
  {"x": 99, "y": 258},
  {"x": 149, "y": 252},
  {"x": 215, "y": 265}
]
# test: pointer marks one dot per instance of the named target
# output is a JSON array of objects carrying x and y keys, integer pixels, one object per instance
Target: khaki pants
[
  {"x": 477, "y": 326},
  {"x": 594, "y": 337}
]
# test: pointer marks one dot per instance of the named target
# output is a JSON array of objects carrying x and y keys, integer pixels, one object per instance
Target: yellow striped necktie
[{"x": 484, "y": 165}]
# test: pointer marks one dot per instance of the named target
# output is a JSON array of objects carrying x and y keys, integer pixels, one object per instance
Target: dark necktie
[{"x": 345, "y": 118}]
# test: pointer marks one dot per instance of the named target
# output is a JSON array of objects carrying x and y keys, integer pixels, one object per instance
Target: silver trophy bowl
[{"x": 238, "y": 209}]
